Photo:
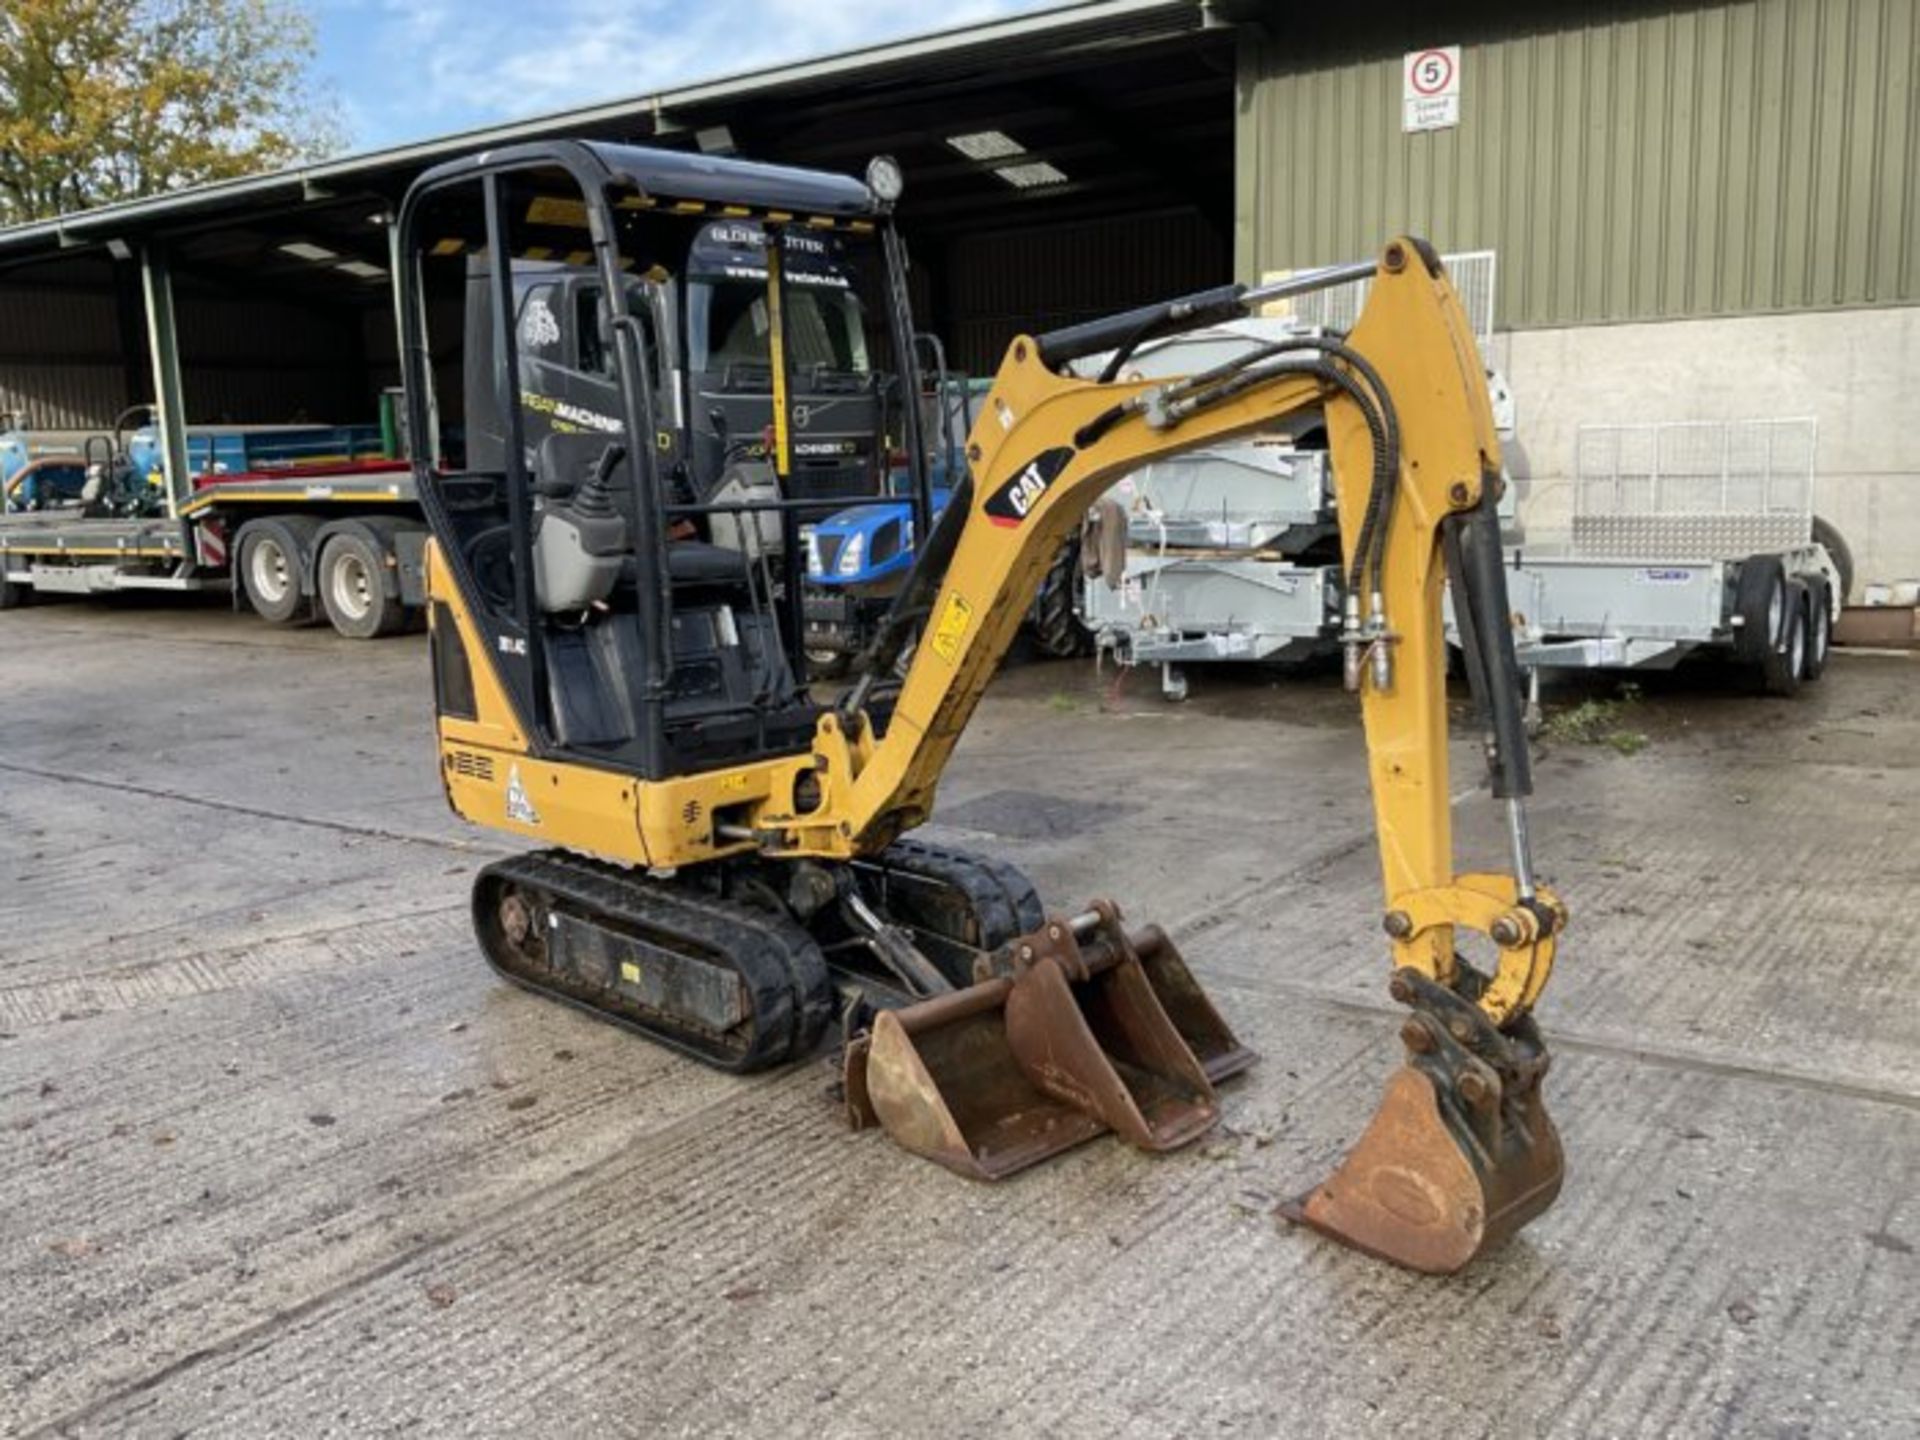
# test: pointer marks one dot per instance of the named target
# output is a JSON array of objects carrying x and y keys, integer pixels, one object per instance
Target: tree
[{"x": 104, "y": 100}]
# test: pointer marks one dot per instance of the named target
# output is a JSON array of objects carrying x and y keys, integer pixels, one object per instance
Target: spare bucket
[{"x": 1080, "y": 1037}]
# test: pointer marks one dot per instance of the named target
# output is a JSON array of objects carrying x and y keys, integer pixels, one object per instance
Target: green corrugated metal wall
[{"x": 1625, "y": 162}]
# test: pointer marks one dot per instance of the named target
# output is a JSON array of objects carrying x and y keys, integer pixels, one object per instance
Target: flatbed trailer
[
  {"x": 1687, "y": 538},
  {"x": 342, "y": 542}
]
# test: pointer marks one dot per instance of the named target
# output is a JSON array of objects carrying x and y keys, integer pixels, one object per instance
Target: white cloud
[{"x": 419, "y": 67}]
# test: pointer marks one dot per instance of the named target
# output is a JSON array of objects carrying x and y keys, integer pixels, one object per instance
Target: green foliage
[
  {"x": 105, "y": 100},
  {"x": 1598, "y": 722}
]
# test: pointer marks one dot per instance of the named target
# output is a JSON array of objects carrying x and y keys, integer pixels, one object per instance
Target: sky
[{"x": 400, "y": 70}]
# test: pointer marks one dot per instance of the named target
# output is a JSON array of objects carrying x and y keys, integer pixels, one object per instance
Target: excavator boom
[{"x": 1462, "y": 1152}]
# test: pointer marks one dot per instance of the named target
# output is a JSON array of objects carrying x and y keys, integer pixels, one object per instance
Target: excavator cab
[
  {"x": 621, "y": 514},
  {"x": 727, "y": 865}
]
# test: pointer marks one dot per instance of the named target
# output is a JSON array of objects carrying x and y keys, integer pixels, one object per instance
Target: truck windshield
[{"x": 728, "y": 324}]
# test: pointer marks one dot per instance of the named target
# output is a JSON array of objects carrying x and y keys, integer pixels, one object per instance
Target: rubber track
[
  {"x": 965, "y": 870},
  {"x": 1002, "y": 899},
  {"x": 790, "y": 993}
]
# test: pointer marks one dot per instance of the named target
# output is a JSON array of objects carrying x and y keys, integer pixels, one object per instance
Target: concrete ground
[{"x": 278, "y": 1156}]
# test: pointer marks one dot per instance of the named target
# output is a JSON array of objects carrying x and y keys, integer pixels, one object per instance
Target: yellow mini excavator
[{"x": 620, "y": 673}]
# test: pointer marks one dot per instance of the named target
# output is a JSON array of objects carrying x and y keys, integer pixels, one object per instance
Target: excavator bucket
[
  {"x": 1084, "y": 1034},
  {"x": 1461, "y": 1152},
  {"x": 1187, "y": 1006}
]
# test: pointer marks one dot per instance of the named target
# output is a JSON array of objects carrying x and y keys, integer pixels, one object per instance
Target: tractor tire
[
  {"x": 1819, "y": 630},
  {"x": 1760, "y": 601},
  {"x": 1053, "y": 620},
  {"x": 1827, "y": 535},
  {"x": 274, "y": 554},
  {"x": 1784, "y": 665},
  {"x": 352, "y": 581},
  {"x": 828, "y": 664}
]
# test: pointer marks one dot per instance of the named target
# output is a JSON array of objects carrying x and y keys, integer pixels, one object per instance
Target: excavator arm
[
  {"x": 1462, "y": 1151},
  {"x": 1416, "y": 463}
]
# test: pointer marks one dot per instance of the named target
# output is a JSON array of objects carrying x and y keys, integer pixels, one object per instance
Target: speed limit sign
[{"x": 1430, "y": 89}]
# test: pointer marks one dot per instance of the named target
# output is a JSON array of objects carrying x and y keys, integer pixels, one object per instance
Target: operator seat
[
  {"x": 565, "y": 461},
  {"x": 733, "y": 694}
]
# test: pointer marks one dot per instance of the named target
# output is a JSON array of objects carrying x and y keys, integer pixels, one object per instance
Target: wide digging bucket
[
  {"x": 1461, "y": 1152},
  {"x": 1077, "y": 1040}
]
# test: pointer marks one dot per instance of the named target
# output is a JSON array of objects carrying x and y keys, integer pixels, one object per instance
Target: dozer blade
[
  {"x": 1080, "y": 1038},
  {"x": 1461, "y": 1152}
]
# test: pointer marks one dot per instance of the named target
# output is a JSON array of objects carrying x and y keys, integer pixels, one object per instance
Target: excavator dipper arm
[{"x": 1461, "y": 1152}]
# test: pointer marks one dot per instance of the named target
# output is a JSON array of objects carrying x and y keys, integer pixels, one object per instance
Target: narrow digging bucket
[
  {"x": 1460, "y": 1154},
  {"x": 1217, "y": 1048},
  {"x": 1015, "y": 1069}
]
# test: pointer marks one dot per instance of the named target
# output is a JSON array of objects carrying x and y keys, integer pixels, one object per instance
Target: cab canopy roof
[{"x": 678, "y": 180}]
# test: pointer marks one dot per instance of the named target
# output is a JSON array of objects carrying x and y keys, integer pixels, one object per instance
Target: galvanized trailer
[
  {"x": 1208, "y": 575},
  {"x": 1685, "y": 538},
  {"x": 1232, "y": 552}
]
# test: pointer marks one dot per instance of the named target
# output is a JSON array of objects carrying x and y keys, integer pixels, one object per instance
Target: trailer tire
[
  {"x": 14, "y": 595},
  {"x": 1827, "y": 535},
  {"x": 1760, "y": 601},
  {"x": 1053, "y": 620},
  {"x": 276, "y": 554},
  {"x": 1785, "y": 664},
  {"x": 1819, "y": 630},
  {"x": 351, "y": 579}
]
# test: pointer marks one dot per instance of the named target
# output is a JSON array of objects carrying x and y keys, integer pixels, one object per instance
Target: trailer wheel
[
  {"x": 1827, "y": 535},
  {"x": 1781, "y": 670},
  {"x": 1053, "y": 621},
  {"x": 273, "y": 561},
  {"x": 1819, "y": 630},
  {"x": 14, "y": 595},
  {"x": 1760, "y": 601},
  {"x": 353, "y": 587}
]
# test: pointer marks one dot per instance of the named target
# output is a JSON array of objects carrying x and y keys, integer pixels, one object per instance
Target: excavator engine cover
[
  {"x": 1461, "y": 1152},
  {"x": 1074, "y": 1030}
]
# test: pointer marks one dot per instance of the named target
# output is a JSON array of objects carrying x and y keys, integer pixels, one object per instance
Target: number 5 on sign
[{"x": 1430, "y": 89}]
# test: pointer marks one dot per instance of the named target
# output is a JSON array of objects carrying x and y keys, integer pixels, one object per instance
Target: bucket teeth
[
  {"x": 1461, "y": 1152},
  {"x": 1089, "y": 1032}
]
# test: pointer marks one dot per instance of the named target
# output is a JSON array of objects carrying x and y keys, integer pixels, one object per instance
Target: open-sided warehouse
[{"x": 1698, "y": 212}]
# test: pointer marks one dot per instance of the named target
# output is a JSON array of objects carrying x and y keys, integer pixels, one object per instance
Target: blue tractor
[{"x": 857, "y": 557}]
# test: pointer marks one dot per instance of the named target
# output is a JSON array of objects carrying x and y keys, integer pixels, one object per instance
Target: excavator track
[
  {"x": 727, "y": 980},
  {"x": 958, "y": 904},
  {"x": 730, "y": 984}
]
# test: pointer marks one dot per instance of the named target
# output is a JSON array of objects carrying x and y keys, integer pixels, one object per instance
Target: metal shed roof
[{"x": 1050, "y": 34}]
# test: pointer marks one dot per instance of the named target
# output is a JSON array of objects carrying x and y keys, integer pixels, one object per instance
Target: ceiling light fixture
[
  {"x": 987, "y": 145},
  {"x": 1032, "y": 175}
]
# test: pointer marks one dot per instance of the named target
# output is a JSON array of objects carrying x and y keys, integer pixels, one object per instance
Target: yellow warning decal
[
  {"x": 952, "y": 628},
  {"x": 629, "y": 972}
]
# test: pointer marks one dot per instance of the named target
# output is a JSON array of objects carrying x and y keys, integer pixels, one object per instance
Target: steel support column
[{"x": 169, "y": 397}]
